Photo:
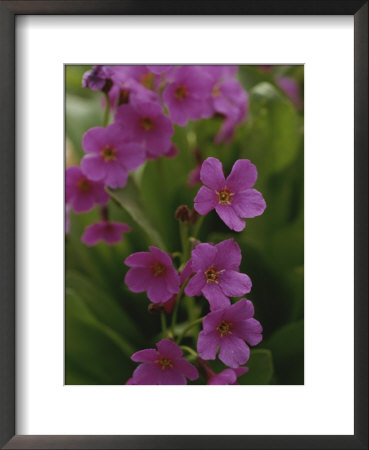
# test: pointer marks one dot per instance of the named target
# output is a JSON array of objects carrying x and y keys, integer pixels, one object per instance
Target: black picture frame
[{"x": 8, "y": 12}]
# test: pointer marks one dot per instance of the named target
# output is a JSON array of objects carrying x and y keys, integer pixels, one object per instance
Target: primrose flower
[
  {"x": 152, "y": 272},
  {"x": 81, "y": 193},
  {"x": 228, "y": 329},
  {"x": 217, "y": 277},
  {"x": 186, "y": 96},
  {"x": 110, "y": 232},
  {"x": 148, "y": 125},
  {"x": 158, "y": 70},
  {"x": 98, "y": 78},
  {"x": 165, "y": 365},
  {"x": 110, "y": 155},
  {"x": 232, "y": 198}
]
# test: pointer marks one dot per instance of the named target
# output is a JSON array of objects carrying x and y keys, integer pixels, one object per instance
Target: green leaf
[
  {"x": 287, "y": 346},
  {"x": 274, "y": 129},
  {"x": 95, "y": 353},
  {"x": 129, "y": 199},
  {"x": 260, "y": 367},
  {"x": 104, "y": 308}
]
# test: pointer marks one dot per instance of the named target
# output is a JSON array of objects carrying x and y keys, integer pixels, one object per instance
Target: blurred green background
[{"x": 105, "y": 323}]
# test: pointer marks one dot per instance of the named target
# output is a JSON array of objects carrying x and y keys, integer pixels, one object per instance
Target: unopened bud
[{"x": 186, "y": 215}]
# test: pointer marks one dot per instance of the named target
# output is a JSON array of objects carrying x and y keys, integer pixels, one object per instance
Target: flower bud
[{"x": 186, "y": 215}]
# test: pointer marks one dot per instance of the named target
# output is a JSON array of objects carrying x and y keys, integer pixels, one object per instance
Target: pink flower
[
  {"x": 228, "y": 98},
  {"x": 158, "y": 70},
  {"x": 148, "y": 125},
  {"x": 165, "y": 365},
  {"x": 110, "y": 155},
  {"x": 110, "y": 232},
  {"x": 217, "y": 276},
  {"x": 152, "y": 272},
  {"x": 187, "y": 94},
  {"x": 227, "y": 376},
  {"x": 97, "y": 78},
  {"x": 232, "y": 198},
  {"x": 229, "y": 329},
  {"x": 81, "y": 193}
]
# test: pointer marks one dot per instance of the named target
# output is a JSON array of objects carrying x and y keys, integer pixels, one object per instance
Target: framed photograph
[{"x": 184, "y": 225}]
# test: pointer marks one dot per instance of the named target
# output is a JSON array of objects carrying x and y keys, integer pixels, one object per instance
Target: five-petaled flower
[
  {"x": 229, "y": 329},
  {"x": 152, "y": 272},
  {"x": 148, "y": 125},
  {"x": 217, "y": 273},
  {"x": 231, "y": 197},
  {"x": 187, "y": 94},
  {"x": 110, "y": 155},
  {"x": 109, "y": 232},
  {"x": 165, "y": 365},
  {"x": 81, "y": 193}
]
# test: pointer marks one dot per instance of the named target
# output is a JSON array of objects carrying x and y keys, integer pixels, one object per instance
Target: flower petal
[
  {"x": 207, "y": 344},
  {"x": 94, "y": 140},
  {"x": 161, "y": 256},
  {"x": 250, "y": 330},
  {"x": 157, "y": 291},
  {"x": 205, "y": 200},
  {"x": 139, "y": 259},
  {"x": 195, "y": 285},
  {"x": 249, "y": 203},
  {"x": 228, "y": 255},
  {"x": 147, "y": 355},
  {"x": 116, "y": 175},
  {"x": 233, "y": 351},
  {"x": 172, "y": 280},
  {"x": 241, "y": 310},
  {"x": 138, "y": 279},
  {"x": 93, "y": 167},
  {"x": 169, "y": 349},
  {"x": 202, "y": 257},
  {"x": 187, "y": 369},
  {"x": 215, "y": 296},
  {"x": 227, "y": 376},
  {"x": 212, "y": 174},
  {"x": 234, "y": 284},
  {"x": 230, "y": 218},
  {"x": 243, "y": 176}
]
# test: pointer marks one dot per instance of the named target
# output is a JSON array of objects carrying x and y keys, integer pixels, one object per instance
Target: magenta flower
[
  {"x": 187, "y": 95},
  {"x": 217, "y": 277},
  {"x": 110, "y": 232},
  {"x": 81, "y": 193},
  {"x": 97, "y": 78},
  {"x": 228, "y": 329},
  {"x": 227, "y": 376},
  {"x": 147, "y": 125},
  {"x": 152, "y": 272},
  {"x": 165, "y": 365},
  {"x": 110, "y": 155},
  {"x": 232, "y": 198}
]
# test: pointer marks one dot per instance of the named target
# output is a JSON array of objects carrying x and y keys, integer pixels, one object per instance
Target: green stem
[
  {"x": 197, "y": 227},
  {"x": 192, "y": 324},
  {"x": 176, "y": 306},
  {"x": 107, "y": 110},
  {"x": 163, "y": 323},
  {"x": 183, "y": 231},
  {"x": 190, "y": 350}
]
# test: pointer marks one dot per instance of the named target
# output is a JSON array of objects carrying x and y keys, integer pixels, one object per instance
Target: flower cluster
[
  {"x": 213, "y": 272},
  {"x": 146, "y": 103}
]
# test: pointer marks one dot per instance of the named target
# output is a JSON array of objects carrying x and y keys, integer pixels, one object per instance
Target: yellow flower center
[
  {"x": 224, "y": 328},
  {"x": 158, "y": 269},
  {"x": 211, "y": 275},
  {"x": 84, "y": 185},
  {"x": 146, "y": 123},
  {"x": 225, "y": 197},
  {"x": 181, "y": 92},
  {"x": 164, "y": 363},
  {"x": 216, "y": 91},
  {"x": 109, "y": 153}
]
